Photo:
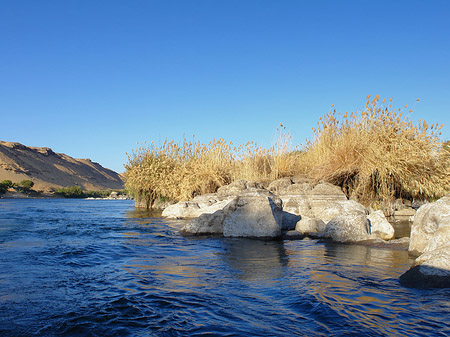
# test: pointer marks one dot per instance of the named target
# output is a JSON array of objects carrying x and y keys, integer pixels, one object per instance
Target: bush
[{"x": 24, "y": 186}]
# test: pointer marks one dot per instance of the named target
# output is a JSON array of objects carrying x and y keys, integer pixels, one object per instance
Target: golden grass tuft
[
  {"x": 182, "y": 171},
  {"x": 378, "y": 154}
]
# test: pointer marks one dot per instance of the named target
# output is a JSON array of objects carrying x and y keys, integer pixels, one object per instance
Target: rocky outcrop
[
  {"x": 252, "y": 213},
  {"x": 246, "y": 209},
  {"x": 428, "y": 219},
  {"x": 350, "y": 224}
]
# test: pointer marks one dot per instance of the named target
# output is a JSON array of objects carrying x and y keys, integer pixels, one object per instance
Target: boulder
[
  {"x": 253, "y": 213},
  {"x": 254, "y": 216},
  {"x": 193, "y": 209},
  {"x": 208, "y": 223},
  {"x": 428, "y": 219},
  {"x": 440, "y": 239},
  {"x": 348, "y": 228},
  {"x": 210, "y": 203},
  {"x": 279, "y": 185},
  {"x": 310, "y": 226},
  {"x": 430, "y": 270},
  {"x": 311, "y": 200},
  {"x": 379, "y": 226}
]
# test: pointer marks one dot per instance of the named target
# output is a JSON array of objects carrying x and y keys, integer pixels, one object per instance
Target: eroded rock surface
[{"x": 428, "y": 219}]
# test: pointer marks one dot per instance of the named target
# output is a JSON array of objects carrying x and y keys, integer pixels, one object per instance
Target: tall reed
[
  {"x": 182, "y": 171},
  {"x": 378, "y": 154}
]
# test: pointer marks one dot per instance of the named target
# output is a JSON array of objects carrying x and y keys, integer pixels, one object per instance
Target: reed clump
[
  {"x": 378, "y": 154},
  {"x": 181, "y": 171}
]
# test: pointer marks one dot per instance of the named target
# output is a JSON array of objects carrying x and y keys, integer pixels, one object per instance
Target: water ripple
[{"x": 98, "y": 268}]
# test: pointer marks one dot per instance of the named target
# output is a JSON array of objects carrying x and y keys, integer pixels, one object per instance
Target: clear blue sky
[{"x": 91, "y": 78}]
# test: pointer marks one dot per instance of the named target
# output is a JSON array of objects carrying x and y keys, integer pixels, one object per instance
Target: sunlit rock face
[
  {"x": 254, "y": 216},
  {"x": 428, "y": 219}
]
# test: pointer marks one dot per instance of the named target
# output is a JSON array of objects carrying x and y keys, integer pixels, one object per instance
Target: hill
[{"x": 49, "y": 170}]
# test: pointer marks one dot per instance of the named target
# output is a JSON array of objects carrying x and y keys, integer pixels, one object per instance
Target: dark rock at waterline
[{"x": 423, "y": 276}]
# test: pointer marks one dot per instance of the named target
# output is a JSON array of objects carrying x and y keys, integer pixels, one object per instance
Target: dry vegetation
[{"x": 376, "y": 154}]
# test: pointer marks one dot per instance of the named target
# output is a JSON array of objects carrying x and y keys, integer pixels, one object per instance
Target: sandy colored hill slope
[{"x": 49, "y": 170}]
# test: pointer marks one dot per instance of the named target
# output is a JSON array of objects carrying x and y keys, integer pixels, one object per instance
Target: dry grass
[
  {"x": 181, "y": 171},
  {"x": 376, "y": 154}
]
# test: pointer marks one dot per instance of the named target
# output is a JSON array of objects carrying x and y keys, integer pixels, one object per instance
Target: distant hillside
[{"x": 49, "y": 170}]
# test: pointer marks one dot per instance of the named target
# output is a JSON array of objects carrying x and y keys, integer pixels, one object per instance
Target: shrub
[
  {"x": 24, "y": 185},
  {"x": 70, "y": 192}
]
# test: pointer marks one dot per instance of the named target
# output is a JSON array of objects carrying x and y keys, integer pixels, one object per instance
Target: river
[{"x": 100, "y": 268}]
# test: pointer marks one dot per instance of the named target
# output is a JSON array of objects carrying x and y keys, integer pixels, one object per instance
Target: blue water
[{"x": 99, "y": 268}]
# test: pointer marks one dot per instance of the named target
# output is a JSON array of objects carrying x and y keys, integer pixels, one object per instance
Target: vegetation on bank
[
  {"x": 23, "y": 186},
  {"x": 77, "y": 192},
  {"x": 376, "y": 154}
]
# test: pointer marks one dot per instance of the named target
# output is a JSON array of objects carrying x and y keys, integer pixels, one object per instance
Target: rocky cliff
[{"x": 49, "y": 170}]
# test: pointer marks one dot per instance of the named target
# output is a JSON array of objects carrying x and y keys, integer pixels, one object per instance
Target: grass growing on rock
[{"x": 376, "y": 154}]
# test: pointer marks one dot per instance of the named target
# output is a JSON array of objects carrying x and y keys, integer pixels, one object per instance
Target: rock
[
  {"x": 430, "y": 270},
  {"x": 237, "y": 187},
  {"x": 208, "y": 223},
  {"x": 182, "y": 209},
  {"x": 293, "y": 235},
  {"x": 379, "y": 226},
  {"x": 192, "y": 209},
  {"x": 440, "y": 239},
  {"x": 254, "y": 216},
  {"x": 311, "y": 200},
  {"x": 278, "y": 185},
  {"x": 348, "y": 228},
  {"x": 428, "y": 219},
  {"x": 328, "y": 210},
  {"x": 310, "y": 226}
]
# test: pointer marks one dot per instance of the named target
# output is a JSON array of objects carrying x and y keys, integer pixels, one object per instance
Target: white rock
[
  {"x": 428, "y": 219},
  {"x": 379, "y": 226}
]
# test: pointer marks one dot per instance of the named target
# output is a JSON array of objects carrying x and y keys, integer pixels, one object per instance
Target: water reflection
[{"x": 255, "y": 259}]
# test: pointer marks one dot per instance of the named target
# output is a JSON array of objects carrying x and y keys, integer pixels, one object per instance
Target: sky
[{"x": 93, "y": 78}]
